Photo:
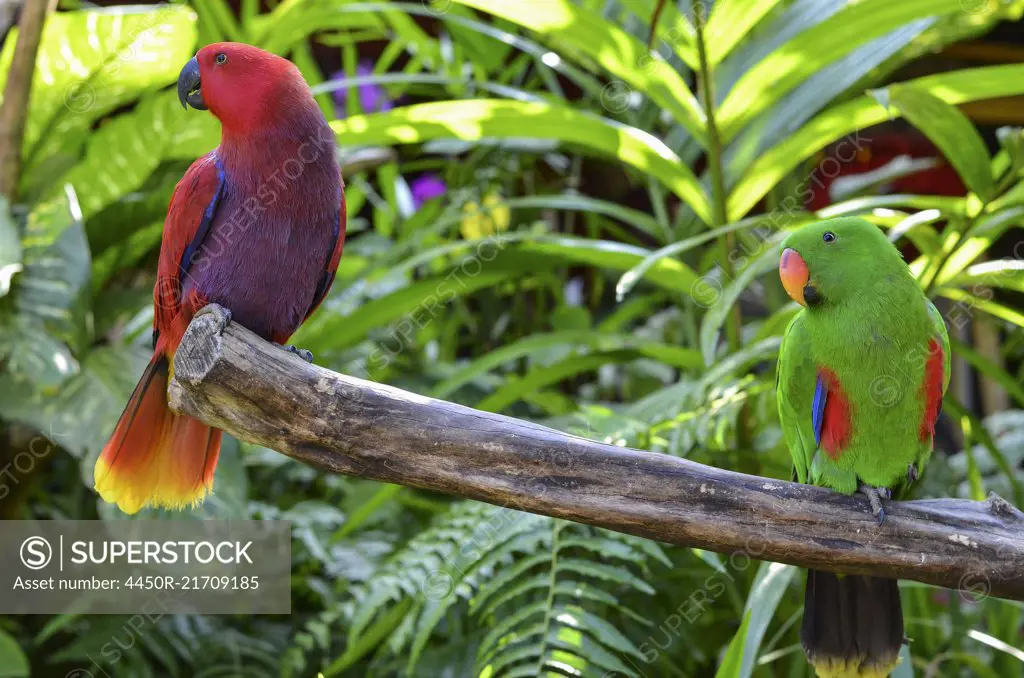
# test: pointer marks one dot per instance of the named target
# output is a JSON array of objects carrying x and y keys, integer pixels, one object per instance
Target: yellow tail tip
[
  {"x": 132, "y": 492},
  {"x": 833, "y": 667}
]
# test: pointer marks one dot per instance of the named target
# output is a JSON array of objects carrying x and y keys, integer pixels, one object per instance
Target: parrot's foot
[
  {"x": 912, "y": 474},
  {"x": 221, "y": 315},
  {"x": 303, "y": 353},
  {"x": 875, "y": 496}
]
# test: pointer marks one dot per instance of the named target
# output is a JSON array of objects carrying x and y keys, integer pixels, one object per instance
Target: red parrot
[{"x": 256, "y": 226}]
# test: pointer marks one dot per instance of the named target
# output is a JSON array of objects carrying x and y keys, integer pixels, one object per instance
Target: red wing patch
[
  {"x": 836, "y": 427},
  {"x": 931, "y": 390}
]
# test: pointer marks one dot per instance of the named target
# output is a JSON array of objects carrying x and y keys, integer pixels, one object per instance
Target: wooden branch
[
  {"x": 14, "y": 109},
  {"x": 260, "y": 393}
]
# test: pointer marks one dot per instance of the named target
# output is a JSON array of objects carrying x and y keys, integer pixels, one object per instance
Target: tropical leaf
[
  {"x": 954, "y": 88},
  {"x": 10, "y": 248},
  {"x": 478, "y": 119},
  {"x": 540, "y": 345},
  {"x": 91, "y": 62},
  {"x": 730, "y": 21},
  {"x": 122, "y": 154},
  {"x": 723, "y": 297},
  {"x": 783, "y": 69},
  {"x": 80, "y": 415},
  {"x": 13, "y": 662},
  {"x": 587, "y": 34},
  {"x": 950, "y": 130},
  {"x": 56, "y": 260}
]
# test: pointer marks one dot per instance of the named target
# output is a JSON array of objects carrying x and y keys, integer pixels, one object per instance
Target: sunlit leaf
[
  {"x": 563, "y": 23},
  {"x": 13, "y": 662},
  {"x": 91, "y": 62},
  {"x": 950, "y": 130},
  {"x": 475, "y": 120},
  {"x": 955, "y": 87},
  {"x": 730, "y": 21},
  {"x": 786, "y": 67}
]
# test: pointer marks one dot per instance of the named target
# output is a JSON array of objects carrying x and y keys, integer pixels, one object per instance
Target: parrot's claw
[
  {"x": 303, "y": 353},
  {"x": 875, "y": 496},
  {"x": 221, "y": 314},
  {"x": 912, "y": 474}
]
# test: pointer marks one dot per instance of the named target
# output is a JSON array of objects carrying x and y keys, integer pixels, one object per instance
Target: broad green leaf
[
  {"x": 545, "y": 343},
  {"x": 785, "y": 68},
  {"x": 126, "y": 253},
  {"x": 13, "y": 662},
  {"x": 867, "y": 64},
  {"x": 587, "y": 33},
  {"x": 91, "y": 62},
  {"x": 81, "y": 414},
  {"x": 732, "y": 662},
  {"x": 583, "y": 203},
  {"x": 122, "y": 219},
  {"x": 218, "y": 21},
  {"x": 723, "y": 297},
  {"x": 370, "y": 639},
  {"x": 869, "y": 203},
  {"x": 537, "y": 379},
  {"x": 196, "y": 138},
  {"x": 1005, "y": 273},
  {"x": 295, "y": 20},
  {"x": 56, "y": 260},
  {"x": 667, "y": 273},
  {"x": 974, "y": 430},
  {"x": 122, "y": 154},
  {"x": 949, "y": 129},
  {"x": 954, "y": 88},
  {"x": 819, "y": 90},
  {"x": 478, "y": 119},
  {"x": 990, "y": 370},
  {"x": 968, "y": 301},
  {"x": 34, "y": 357},
  {"x": 302, "y": 57},
  {"x": 420, "y": 302},
  {"x": 730, "y": 21},
  {"x": 770, "y": 584},
  {"x": 10, "y": 248},
  {"x": 635, "y": 274},
  {"x": 385, "y": 493},
  {"x": 673, "y": 27},
  {"x": 417, "y": 303},
  {"x": 479, "y": 50},
  {"x": 985, "y": 233},
  {"x": 56, "y": 268}
]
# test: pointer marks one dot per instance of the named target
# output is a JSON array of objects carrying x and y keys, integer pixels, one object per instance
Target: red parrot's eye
[{"x": 222, "y": 58}]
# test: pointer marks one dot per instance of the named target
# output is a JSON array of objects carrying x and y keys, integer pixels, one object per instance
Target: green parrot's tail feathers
[{"x": 853, "y": 626}]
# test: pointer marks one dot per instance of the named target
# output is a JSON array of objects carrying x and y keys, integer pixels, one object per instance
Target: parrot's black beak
[
  {"x": 190, "y": 92},
  {"x": 812, "y": 297}
]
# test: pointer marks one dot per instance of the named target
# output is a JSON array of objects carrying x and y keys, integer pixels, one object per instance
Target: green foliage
[{"x": 602, "y": 261}]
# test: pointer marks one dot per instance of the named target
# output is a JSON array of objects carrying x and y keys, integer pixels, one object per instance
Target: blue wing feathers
[
  {"x": 204, "y": 226},
  {"x": 818, "y": 408}
]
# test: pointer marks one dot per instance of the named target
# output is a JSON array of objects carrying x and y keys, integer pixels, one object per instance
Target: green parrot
[{"x": 862, "y": 370}]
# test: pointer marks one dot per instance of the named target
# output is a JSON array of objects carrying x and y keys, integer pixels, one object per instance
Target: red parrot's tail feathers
[{"x": 156, "y": 457}]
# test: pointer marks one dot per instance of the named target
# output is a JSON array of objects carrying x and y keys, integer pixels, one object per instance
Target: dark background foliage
[{"x": 543, "y": 222}]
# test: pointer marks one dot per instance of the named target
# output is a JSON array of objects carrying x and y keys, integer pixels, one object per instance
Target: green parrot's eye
[
  {"x": 829, "y": 236},
  {"x": 222, "y": 58}
]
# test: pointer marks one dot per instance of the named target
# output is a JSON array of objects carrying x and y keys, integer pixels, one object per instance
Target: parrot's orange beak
[{"x": 795, "y": 275}]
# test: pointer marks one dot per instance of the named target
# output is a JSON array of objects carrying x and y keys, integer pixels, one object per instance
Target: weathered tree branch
[{"x": 264, "y": 395}]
